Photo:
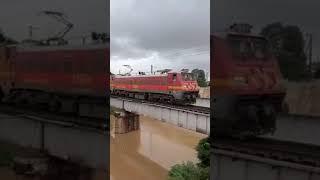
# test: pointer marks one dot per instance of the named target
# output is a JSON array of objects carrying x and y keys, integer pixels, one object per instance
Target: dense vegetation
[
  {"x": 6, "y": 40},
  {"x": 191, "y": 171},
  {"x": 200, "y": 76},
  {"x": 288, "y": 44},
  {"x": 203, "y": 149},
  {"x": 188, "y": 171}
]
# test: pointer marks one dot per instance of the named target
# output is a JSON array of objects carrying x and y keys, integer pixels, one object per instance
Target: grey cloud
[
  {"x": 124, "y": 47},
  {"x": 158, "y": 23},
  {"x": 163, "y": 31}
]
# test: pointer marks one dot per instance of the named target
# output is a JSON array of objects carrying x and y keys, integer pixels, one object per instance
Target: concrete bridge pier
[{"x": 126, "y": 122}]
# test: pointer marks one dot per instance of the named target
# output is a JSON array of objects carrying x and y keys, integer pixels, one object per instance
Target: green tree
[
  {"x": 317, "y": 70},
  {"x": 2, "y": 38},
  {"x": 203, "y": 149},
  {"x": 200, "y": 77},
  {"x": 103, "y": 37},
  {"x": 94, "y": 36},
  {"x": 288, "y": 45},
  {"x": 188, "y": 171},
  {"x": 191, "y": 171},
  {"x": 6, "y": 40}
]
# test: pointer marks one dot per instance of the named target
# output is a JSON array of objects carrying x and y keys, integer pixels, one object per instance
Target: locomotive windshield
[
  {"x": 187, "y": 76},
  {"x": 251, "y": 47}
]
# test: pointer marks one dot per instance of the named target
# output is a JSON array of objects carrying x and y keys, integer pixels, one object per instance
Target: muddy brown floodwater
[{"x": 150, "y": 152}]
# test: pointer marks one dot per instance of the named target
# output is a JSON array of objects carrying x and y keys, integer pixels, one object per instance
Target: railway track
[
  {"x": 66, "y": 119},
  {"x": 273, "y": 149},
  {"x": 192, "y": 108}
]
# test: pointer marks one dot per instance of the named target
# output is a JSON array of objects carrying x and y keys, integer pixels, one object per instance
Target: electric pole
[
  {"x": 31, "y": 28},
  {"x": 151, "y": 69},
  {"x": 30, "y": 32},
  {"x": 309, "y": 50},
  {"x": 310, "y": 53}
]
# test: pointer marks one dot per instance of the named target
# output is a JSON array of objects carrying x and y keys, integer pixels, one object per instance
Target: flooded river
[{"x": 150, "y": 152}]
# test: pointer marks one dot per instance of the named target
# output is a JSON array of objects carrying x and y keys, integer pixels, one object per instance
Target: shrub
[
  {"x": 188, "y": 171},
  {"x": 203, "y": 149}
]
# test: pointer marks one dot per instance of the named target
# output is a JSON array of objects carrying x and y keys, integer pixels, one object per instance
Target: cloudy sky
[
  {"x": 166, "y": 34},
  {"x": 87, "y": 16},
  {"x": 305, "y": 14}
]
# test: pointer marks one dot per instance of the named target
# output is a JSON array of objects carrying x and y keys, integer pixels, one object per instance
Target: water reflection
[{"x": 150, "y": 152}]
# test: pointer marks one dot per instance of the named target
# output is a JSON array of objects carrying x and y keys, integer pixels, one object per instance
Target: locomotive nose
[{"x": 190, "y": 86}]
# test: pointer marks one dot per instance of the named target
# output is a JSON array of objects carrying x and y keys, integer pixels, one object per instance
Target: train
[
  {"x": 246, "y": 82},
  {"x": 54, "y": 76},
  {"x": 247, "y": 90},
  {"x": 168, "y": 87}
]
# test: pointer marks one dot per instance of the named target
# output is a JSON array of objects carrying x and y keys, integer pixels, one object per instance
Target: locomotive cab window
[
  {"x": 254, "y": 47},
  {"x": 260, "y": 48},
  {"x": 187, "y": 76},
  {"x": 174, "y": 77}
]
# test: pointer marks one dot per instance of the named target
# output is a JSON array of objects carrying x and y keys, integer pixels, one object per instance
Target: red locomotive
[
  {"x": 247, "y": 90},
  {"x": 54, "y": 74},
  {"x": 171, "y": 87}
]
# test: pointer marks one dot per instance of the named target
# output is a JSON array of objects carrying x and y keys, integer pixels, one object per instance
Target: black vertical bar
[{"x": 108, "y": 85}]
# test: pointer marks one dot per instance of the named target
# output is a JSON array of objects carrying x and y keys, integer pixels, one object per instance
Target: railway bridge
[{"x": 195, "y": 118}]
